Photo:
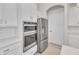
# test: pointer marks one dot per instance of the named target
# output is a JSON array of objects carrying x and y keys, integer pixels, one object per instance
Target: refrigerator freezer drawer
[{"x": 42, "y": 46}]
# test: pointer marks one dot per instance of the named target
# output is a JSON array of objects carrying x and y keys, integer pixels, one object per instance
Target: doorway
[{"x": 56, "y": 24}]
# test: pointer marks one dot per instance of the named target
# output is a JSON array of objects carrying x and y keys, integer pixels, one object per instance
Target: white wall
[{"x": 43, "y": 7}]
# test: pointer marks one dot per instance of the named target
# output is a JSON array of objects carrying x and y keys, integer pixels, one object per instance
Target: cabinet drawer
[
  {"x": 10, "y": 50},
  {"x": 43, "y": 45},
  {"x": 31, "y": 51}
]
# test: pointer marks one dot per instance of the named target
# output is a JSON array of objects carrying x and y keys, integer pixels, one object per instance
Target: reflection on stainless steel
[
  {"x": 42, "y": 34},
  {"x": 30, "y": 35}
]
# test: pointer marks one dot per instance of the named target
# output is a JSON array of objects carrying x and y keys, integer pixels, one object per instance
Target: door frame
[{"x": 54, "y": 7}]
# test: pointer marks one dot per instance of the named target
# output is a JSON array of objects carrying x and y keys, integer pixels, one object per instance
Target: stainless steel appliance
[
  {"x": 30, "y": 35},
  {"x": 42, "y": 34}
]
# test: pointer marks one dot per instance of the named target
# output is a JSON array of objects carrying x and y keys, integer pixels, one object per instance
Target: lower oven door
[{"x": 29, "y": 41}]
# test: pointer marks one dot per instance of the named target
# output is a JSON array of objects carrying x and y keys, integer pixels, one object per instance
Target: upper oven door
[{"x": 30, "y": 26}]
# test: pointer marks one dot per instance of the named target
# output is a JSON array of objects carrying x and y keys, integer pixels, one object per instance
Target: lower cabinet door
[
  {"x": 10, "y": 50},
  {"x": 74, "y": 41}
]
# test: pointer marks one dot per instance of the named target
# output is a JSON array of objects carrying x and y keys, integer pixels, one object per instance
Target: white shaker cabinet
[
  {"x": 13, "y": 49},
  {"x": 10, "y": 14},
  {"x": 73, "y": 29},
  {"x": 74, "y": 41},
  {"x": 1, "y": 14},
  {"x": 73, "y": 16},
  {"x": 29, "y": 11}
]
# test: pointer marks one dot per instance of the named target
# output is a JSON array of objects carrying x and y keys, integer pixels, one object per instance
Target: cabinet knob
[
  {"x": 5, "y": 21},
  {"x": 50, "y": 30}
]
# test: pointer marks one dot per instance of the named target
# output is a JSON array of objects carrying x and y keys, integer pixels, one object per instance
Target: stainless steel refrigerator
[{"x": 42, "y": 34}]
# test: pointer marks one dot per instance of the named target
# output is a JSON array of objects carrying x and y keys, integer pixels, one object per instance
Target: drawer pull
[{"x": 6, "y": 50}]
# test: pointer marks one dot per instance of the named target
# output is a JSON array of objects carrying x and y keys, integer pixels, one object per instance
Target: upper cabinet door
[
  {"x": 29, "y": 11},
  {"x": 73, "y": 16},
  {"x": 1, "y": 13},
  {"x": 10, "y": 14}
]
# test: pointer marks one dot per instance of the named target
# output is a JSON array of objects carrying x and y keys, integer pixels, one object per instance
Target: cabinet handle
[
  {"x": 6, "y": 50},
  {"x": 5, "y": 21},
  {"x": 50, "y": 30},
  {"x": 78, "y": 40}
]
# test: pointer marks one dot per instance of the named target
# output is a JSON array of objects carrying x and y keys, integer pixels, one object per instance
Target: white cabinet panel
[
  {"x": 1, "y": 14},
  {"x": 73, "y": 16},
  {"x": 10, "y": 14},
  {"x": 8, "y": 33},
  {"x": 0, "y": 11},
  {"x": 29, "y": 11},
  {"x": 73, "y": 36},
  {"x": 74, "y": 41},
  {"x": 10, "y": 50}
]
